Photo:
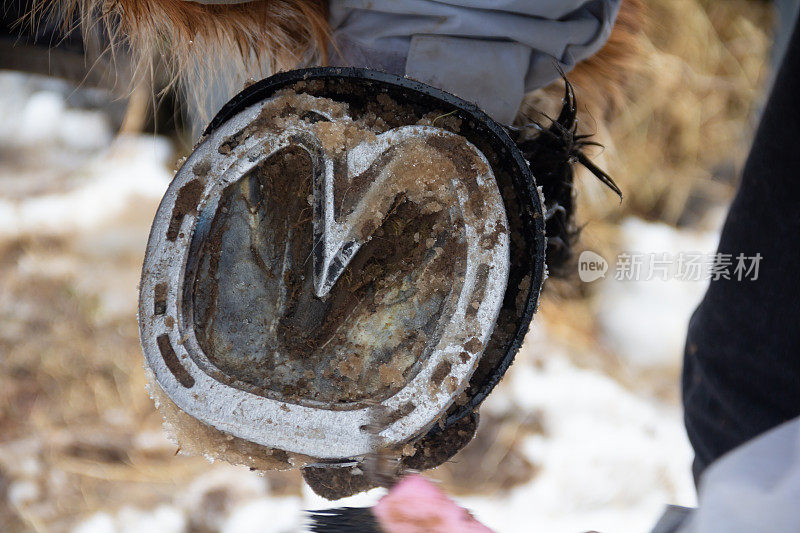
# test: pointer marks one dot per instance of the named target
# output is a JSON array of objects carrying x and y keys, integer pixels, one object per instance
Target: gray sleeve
[
  {"x": 487, "y": 51},
  {"x": 755, "y": 487}
]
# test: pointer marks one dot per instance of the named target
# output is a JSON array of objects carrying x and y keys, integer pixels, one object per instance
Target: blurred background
[{"x": 584, "y": 432}]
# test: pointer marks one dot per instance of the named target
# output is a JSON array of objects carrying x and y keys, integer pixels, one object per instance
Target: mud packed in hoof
[
  {"x": 259, "y": 321},
  {"x": 256, "y": 314},
  {"x": 339, "y": 268}
]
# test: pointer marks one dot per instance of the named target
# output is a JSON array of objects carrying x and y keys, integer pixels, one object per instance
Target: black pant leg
[{"x": 741, "y": 372}]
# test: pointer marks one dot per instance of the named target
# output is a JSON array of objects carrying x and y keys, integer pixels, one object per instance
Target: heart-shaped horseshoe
[{"x": 325, "y": 280}]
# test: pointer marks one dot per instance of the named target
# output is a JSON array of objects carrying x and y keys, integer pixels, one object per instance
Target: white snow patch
[
  {"x": 645, "y": 321},
  {"x": 34, "y": 113},
  {"x": 133, "y": 166},
  {"x": 610, "y": 460},
  {"x": 22, "y": 492},
  {"x": 364, "y": 499},
  {"x": 163, "y": 519},
  {"x": 238, "y": 483},
  {"x": 265, "y": 515},
  {"x": 97, "y": 523}
]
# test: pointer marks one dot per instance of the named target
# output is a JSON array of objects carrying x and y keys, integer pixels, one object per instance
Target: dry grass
[
  {"x": 685, "y": 128},
  {"x": 675, "y": 139},
  {"x": 76, "y": 422},
  {"x": 676, "y": 131},
  {"x": 75, "y": 419}
]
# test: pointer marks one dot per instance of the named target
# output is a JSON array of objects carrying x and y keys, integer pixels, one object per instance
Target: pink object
[{"x": 415, "y": 505}]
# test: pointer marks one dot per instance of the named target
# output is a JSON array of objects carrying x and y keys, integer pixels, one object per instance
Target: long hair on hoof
[
  {"x": 209, "y": 50},
  {"x": 554, "y": 146},
  {"x": 552, "y": 151}
]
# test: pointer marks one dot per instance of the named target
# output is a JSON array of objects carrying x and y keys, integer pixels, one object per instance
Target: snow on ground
[
  {"x": 130, "y": 167},
  {"x": 254, "y": 510},
  {"x": 47, "y": 130},
  {"x": 92, "y": 175},
  {"x": 645, "y": 320},
  {"x": 607, "y": 458}
]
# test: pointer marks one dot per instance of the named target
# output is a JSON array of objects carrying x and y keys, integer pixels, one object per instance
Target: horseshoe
[{"x": 215, "y": 302}]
